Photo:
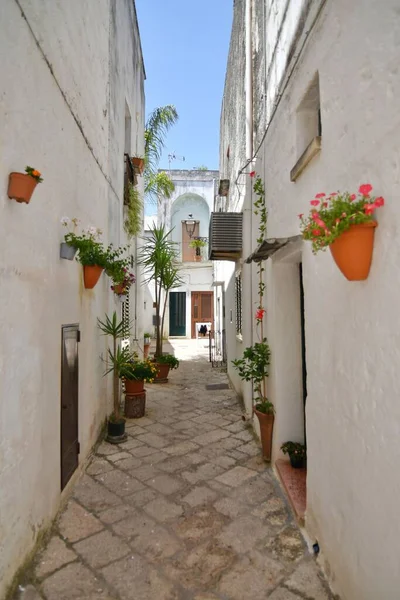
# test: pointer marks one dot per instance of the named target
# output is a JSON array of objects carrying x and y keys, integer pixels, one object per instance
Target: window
[
  {"x": 308, "y": 128},
  {"x": 238, "y": 303}
]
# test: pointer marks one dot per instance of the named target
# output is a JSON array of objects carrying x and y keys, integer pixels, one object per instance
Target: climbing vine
[{"x": 260, "y": 209}]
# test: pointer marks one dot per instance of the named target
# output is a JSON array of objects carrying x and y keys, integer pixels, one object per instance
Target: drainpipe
[{"x": 249, "y": 142}]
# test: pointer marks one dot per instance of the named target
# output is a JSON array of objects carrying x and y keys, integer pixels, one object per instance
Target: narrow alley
[{"x": 185, "y": 509}]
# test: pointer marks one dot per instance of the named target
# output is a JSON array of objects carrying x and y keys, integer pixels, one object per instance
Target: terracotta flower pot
[
  {"x": 120, "y": 290},
  {"x": 162, "y": 375},
  {"x": 21, "y": 187},
  {"x": 266, "y": 427},
  {"x": 134, "y": 386},
  {"x": 352, "y": 251},
  {"x": 146, "y": 348},
  {"x": 91, "y": 275},
  {"x": 138, "y": 163}
]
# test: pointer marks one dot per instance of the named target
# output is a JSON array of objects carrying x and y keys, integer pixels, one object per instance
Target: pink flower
[
  {"x": 317, "y": 219},
  {"x": 324, "y": 204},
  {"x": 321, "y": 195},
  {"x": 379, "y": 202},
  {"x": 352, "y": 197},
  {"x": 316, "y": 232},
  {"x": 365, "y": 189},
  {"x": 344, "y": 214},
  {"x": 259, "y": 314},
  {"x": 333, "y": 194},
  {"x": 369, "y": 208},
  {"x": 252, "y": 174},
  {"x": 314, "y": 202},
  {"x": 337, "y": 221},
  {"x": 300, "y": 215}
]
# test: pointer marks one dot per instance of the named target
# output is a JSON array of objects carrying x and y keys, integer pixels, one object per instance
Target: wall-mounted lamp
[{"x": 190, "y": 226}]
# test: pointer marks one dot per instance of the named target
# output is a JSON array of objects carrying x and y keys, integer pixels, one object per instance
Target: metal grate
[
  {"x": 225, "y": 238},
  {"x": 217, "y": 349}
]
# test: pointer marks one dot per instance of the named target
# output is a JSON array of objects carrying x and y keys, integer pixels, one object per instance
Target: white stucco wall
[
  {"x": 60, "y": 122},
  {"x": 353, "y": 418}
]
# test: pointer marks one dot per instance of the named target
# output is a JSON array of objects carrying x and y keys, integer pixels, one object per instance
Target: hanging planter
[
  {"x": 346, "y": 224},
  {"x": 138, "y": 164},
  {"x": 91, "y": 275},
  {"x": 21, "y": 186},
  {"x": 66, "y": 251},
  {"x": 352, "y": 251}
]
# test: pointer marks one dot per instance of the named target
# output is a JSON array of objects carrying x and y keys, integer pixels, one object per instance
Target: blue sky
[{"x": 185, "y": 46}]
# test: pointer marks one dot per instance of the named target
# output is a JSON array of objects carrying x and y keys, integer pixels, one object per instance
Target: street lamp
[{"x": 190, "y": 226}]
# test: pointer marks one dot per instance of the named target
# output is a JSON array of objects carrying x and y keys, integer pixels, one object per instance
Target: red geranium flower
[
  {"x": 300, "y": 215},
  {"x": 369, "y": 208},
  {"x": 252, "y": 173},
  {"x": 314, "y": 202},
  {"x": 321, "y": 195},
  {"x": 365, "y": 189},
  {"x": 259, "y": 314},
  {"x": 379, "y": 202},
  {"x": 316, "y": 232}
]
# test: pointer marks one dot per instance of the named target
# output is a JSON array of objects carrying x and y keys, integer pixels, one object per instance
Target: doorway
[
  {"x": 69, "y": 402},
  {"x": 177, "y": 314},
  {"x": 202, "y": 311}
]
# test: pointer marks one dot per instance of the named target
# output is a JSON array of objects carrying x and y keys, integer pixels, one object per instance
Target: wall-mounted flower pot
[
  {"x": 21, "y": 187},
  {"x": 91, "y": 275},
  {"x": 66, "y": 251},
  {"x": 138, "y": 164},
  {"x": 134, "y": 386},
  {"x": 352, "y": 251},
  {"x": 266, "y": 429}
]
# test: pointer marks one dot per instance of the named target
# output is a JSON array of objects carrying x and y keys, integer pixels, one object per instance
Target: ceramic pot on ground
[
  {"x": 146, "y": 349},
  {"x": 66, "y": 251},
  {"x": 91, "y": 275},
  {"x": 352, "y": 251},
  {"x": 134, "y": 386},
  {"x": 21, "y": 187},
  {"x": 266, "y": 429},
  {"x": 162, "y": 375},
  {"x": 297, "y": 462},
  {"x": 135, "y": 405},
  {"x": 116, "y": 431}
]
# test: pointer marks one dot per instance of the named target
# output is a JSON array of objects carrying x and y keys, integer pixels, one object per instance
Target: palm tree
[
  {"x": 157, "y": 257},
  {"x": 156, "y": 129}
]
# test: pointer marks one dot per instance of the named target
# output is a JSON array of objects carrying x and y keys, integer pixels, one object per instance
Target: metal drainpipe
[
  {"x": 136, "y": 287},
  {"x": 249, "y": 132}
]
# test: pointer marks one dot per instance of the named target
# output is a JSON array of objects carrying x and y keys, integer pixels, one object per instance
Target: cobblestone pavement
[{"x": 184, "y": 510}]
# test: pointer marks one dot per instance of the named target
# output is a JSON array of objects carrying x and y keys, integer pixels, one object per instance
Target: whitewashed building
[
  {"x": 71, "y": 106},
  {"x": 187, "y": 215},
  {"x": 311, "y": 105}
]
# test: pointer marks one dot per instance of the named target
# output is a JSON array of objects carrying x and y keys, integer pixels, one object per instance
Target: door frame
[{"x": 195, "y": 320}]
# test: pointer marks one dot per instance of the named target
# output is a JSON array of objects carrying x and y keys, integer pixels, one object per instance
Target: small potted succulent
[
  {"x": 198, "y": 244},
  {"x": 22, "y": 185},
  {"x": 345, "y": 222},
  {"x": 91, "y": 254},
  {"x": 297, "y": 453},
  {"x": 165, "y": 363}
]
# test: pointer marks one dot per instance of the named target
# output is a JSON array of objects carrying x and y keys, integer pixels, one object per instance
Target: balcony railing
[{"x": 188, "y": 253}]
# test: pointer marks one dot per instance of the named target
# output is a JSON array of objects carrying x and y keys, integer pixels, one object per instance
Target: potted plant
[
  {"x": 117, "y": 358},
  {"x": 138, "y": 163},
  {"x": 344, "y": 222},
  {"x": 253, "y": 366},
  {"x": 297, "y": 453},
  {"x": 165, "y": 363},
  {"x": 91, "y": 253},
  {"x": 135, "y": 372},
  {"x": 146, "y": 344},
  {"x": 158, "y": 256},
  {"x": 22, "y": 185},
  {"x": 198, "y": 244},
  {"x": 117, "y": 269}
]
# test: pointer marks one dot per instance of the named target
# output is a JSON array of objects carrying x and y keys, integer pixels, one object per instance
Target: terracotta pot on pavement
[
  {"x": 352, "y": 251},
  {"x": 162, "y": 375},
  {"x": 21, "y": 187},
  {"x": 266, "y": 427},
  {"x": 146, "y": 349},
  {"x": 91, "y": 275},
  {"x": 134, "y": 386}
]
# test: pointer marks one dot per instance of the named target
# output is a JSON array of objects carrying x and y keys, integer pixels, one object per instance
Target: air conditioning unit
[{"x": 225, "y": 237}]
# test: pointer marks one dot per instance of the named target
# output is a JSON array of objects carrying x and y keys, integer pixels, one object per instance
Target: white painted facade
[
  {"x": 194, "y": 195},
  {"x": 352, "y": 344},
  {"x": 71, "y": 74}
]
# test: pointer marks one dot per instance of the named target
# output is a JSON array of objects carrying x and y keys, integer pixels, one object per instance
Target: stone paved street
[{"x": 184, "y": 510}]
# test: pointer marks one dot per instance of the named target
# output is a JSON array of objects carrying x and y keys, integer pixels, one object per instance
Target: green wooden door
[{"x": 177, "y": 313}]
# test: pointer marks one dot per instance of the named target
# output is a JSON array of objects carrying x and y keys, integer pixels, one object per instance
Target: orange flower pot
[
  {"x": 91, "y": 275},
  {"x": 266, "y": 429},
  {"x": 133, "y": 386},
  {"x": 162, "y": 375},
  {"x": 120, "y": 290},
  {"x": 138, "y": 163},
  {"x": 352, "y": 251},
  {"x": 21, "y": 187}
]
